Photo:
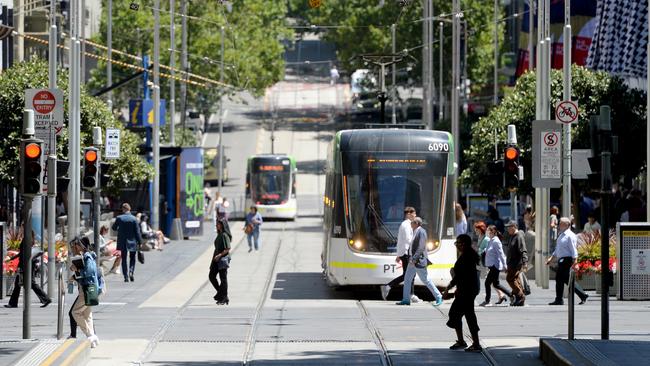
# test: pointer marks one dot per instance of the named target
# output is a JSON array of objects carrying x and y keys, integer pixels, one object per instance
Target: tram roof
[
  {"x": 390, "y": 139},
  {"x": 272, "y": 156}
]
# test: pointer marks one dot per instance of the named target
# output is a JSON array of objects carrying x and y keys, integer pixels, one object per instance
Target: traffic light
[
  {"x": 31, "y": 167},
  {"x": 511, "y": 167},
  {"x": 105, "y": 173},
  {"x": 90, "y": 178},
  {"x": 495, "y": 173}
]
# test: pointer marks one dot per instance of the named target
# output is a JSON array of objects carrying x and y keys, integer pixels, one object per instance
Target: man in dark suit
[{"x": 128, "y": 239}]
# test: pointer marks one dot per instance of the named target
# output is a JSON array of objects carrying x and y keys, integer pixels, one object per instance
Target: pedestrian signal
[{"x": 31, "y": 167}]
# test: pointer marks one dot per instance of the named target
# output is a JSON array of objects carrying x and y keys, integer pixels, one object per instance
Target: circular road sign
[
  {"x": 566, "y": 112},
  {"x": 44, "y": 102},
  {"x": 551, "y": 139}
]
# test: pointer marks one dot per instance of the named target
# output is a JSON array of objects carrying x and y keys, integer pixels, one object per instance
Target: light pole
[
  {"x": 455, "y": 117},
  {"x": 393, "y": 118},
  {"x": 495, "y": 96},
  {"x": 566, "y": 130},
  {"x": 221, "y": 113},
  {"x": 172, "y": 65},
  {"x": 441, "y": 96},
  {"x": 155, "y": 215},
  {"x": 109, "y": 52},
  {"x": 183, "y": 60}
]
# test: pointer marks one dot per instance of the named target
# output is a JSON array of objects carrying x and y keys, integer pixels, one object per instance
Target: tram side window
[{"x": 338, "y": 214}]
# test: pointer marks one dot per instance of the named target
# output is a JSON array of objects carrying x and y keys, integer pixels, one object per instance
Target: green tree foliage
[
  {"x": 13, "y": 82},
  {"x": 254, "y": 31},
  {"x": 591, "y": 90},
  {"x": 364, "y": 27}
]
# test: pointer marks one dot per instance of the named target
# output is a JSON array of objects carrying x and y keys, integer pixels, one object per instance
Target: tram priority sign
[
  {"x": 47, "y": 105},
  {"x": 566, "y": 112}
]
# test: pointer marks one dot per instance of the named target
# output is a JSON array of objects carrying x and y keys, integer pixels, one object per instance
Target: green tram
[{"x": 271, "y": 186}]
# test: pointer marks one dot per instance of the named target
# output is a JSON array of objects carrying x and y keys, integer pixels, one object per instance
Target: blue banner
[{"x": 141, "y": 112}]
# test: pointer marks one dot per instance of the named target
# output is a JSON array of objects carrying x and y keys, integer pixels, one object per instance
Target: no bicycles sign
[{"x": 566, "y": 112}]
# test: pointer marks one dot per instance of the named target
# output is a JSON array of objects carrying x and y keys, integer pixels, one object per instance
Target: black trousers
[
  {"x": 463, "y": 306},
  {"x": 42, "y": 296},
  {"x": 399, "y": 279},
  {"x": 220, "y": 285},
  {"x": 131, "y": 267},
  {"x": 562, "y": 278},
  {"x": 493, "y": 279},
  {"x": 73, "y": 323}
]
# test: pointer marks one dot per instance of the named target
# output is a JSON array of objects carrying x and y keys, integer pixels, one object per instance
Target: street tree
[
  {"x": 590, "y": 90},
  {"x": 129, "y": 169}
]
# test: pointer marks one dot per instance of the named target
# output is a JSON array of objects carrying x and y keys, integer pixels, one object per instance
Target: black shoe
[
  {"x": 556, "y": 303},
  {"x": 250, "y": 250},
  {"x": 458, "y": 345},
  {"x": 583, "y": 300},
  {"x": 126, "y": 279},
  {"x": 46, "y": 303},
  {"x": 501, "y": 300},
  {"x": 11, "y": 306},
  {"x": 474, "y": 348},
  {"x": 519, "y": 302},
  {"x": 223, "y": 302},
  {"x": 131, "y": 277}
]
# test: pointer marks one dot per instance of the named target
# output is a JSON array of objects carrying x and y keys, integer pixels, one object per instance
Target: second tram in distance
[
  {"x": 372, "y": 175},
  {"x": 271, "y": 186}
]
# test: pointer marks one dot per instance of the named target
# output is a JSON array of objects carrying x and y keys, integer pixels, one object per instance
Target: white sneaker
[
  {"x": 415, "y": 299},
  {"x": 94, "y": 341},
  {"x": 385, "y": 289}
]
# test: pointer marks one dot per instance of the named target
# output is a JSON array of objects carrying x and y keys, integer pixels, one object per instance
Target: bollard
[
  {"x": 572, "y": 287},
  {"x": 61, "y": 305}
]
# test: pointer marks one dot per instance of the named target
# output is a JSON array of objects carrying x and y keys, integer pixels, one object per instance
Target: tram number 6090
[{"x": 439, "y": 146}]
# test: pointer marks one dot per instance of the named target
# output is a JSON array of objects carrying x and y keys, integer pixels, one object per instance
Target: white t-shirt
[{"x": 404, "y": 237}]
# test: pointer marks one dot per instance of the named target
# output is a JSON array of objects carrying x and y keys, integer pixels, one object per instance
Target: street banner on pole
[
  {"x": 547, "y": 154},
  {"x": 112, "y": 143}
]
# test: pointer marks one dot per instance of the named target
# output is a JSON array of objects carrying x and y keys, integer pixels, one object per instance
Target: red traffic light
[
  {"x": 90, "y": 156},
  {"x": 511, "y": 153},
  {"x": 33, "y": 151}
]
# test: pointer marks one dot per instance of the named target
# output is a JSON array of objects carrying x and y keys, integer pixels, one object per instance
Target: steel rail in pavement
[{"x": 376, "y": 335}]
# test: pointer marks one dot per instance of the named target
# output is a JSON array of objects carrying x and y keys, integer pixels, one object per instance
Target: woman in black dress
[
  {"x": 466, "y": 279},
  {"x": 220, "y": 262}
]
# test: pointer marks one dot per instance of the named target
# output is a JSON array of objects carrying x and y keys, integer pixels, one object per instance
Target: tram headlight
[
  {"x": 356, "y": 244},
  {"x": 433, "y": 245}
]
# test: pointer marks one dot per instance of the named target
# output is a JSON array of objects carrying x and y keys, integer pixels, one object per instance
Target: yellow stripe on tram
[
  {"x": 354, "y": 265},
  {"x": 440, "y": 266}
]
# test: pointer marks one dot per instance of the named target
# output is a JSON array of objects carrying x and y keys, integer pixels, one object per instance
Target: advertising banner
[{"x": 191, "y": 191}]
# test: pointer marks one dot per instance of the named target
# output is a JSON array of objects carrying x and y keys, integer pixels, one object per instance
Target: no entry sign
[
  {"x": 43, "y": 102},
  {"x": 47, "y": 105}
]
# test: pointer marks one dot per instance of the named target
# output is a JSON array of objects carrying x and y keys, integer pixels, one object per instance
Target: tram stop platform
[
  {"x": 588, "y": 352},
  {"x": 51, "y": 352}
]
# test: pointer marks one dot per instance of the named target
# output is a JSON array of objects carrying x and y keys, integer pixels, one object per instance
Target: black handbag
[
  {"x": 91, "y": 295},
  {"x": 524, "y": 283},
  {"x": 223, "y": 262},
  {"x": 140, "y": 257}
]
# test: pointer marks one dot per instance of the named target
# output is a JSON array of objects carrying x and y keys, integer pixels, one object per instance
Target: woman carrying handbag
[
  {"x": 220, "y": 262},
  {"x": 90, "y": 285}
]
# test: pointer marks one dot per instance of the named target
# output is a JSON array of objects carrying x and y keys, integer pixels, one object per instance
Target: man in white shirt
[
  {"x": 566, "y": 253},
  {"x": 404, "y": 239}
]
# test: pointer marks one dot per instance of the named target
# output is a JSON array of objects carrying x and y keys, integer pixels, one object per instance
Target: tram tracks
[
  {"x": 249, "y": 347},
  {"x": 377, "y": 338}
]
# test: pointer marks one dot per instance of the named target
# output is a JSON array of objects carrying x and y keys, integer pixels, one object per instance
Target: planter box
[
  {"x": 613, "y": 291},
  {"x": 588, "y": 281}
]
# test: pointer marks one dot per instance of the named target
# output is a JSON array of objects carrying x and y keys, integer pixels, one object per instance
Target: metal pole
[
  {"x": 531, "y": 28},
  {"x": 97, "y": 142},
  {"x": 155, "y": 215},
  {"x": 82, "y": 54},
  {"x": 26, "y": 261},
  {"x": 60, "y": 304},
  {"x": 20, "y": 27},
  {"x": 455, "y": 128},
  {"x": 441, "y": 96},
  {"x": 172, "y": 65},
  {"x": 546, "y": 94},
  {"x": 495, "y": 96},
  {"x": 572, "y": 288},
  {"x": 51, "y": 222},
  {"x": 430, "y": 81},
  {"x": 538, "y": 115},
  {"x": 52, "y": 59},
  {"x": 221, "y": 78},
  {"x": 647, "y": 170},
  {"x": 73, "y": 147},
  {"x": 425, "y": 64},
  {"x": 606, "y": 194},
  {"x": 393, "y": 117},
  {"x": 109, "y": 52},
  {"x": 183, "y": 60},
  {"x": 77, "y": 115},
  {"x": 566, "y": 130}
]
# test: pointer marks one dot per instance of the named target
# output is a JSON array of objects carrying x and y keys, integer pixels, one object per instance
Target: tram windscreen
[
  {"x": 271, "y": 182},
  {"x": 380, "y": 185}
]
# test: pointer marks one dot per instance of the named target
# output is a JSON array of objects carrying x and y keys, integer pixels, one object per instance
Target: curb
[
  {"x": 559, "y": 352},
  {"x": 72, "y": 352}
]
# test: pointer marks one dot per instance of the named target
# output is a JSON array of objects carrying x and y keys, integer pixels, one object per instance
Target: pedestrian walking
[
  {"x": 461, "y": 220},
  {"x": 495, "y": 261},
  {"x": 221, "y": 262},
  {"x": 566, "y": 253},
  {"x": 517, "y": 261},
  {"x": 404, "y": 239},
  {"x": 89, "y": 285},
  {"x": 334, "y": 75},
  {"x": 128, "y": 240},
  {"x": 35, "y": 253},
  {"x": 466, "y": 280},
  {"x": 252, "y": 228},
  {"x": 418, "y": 262}
]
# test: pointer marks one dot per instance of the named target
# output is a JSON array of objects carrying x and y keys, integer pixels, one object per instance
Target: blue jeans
[
  {"x": 255, "y": 235},
  {"x": 424, "y": 277}
]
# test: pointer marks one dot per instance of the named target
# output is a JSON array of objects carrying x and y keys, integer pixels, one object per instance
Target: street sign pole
[
  {"x": 155, "y": 214},
  {"x": 97, "y": 142},
  {"x": 51, "y": 223},
  {"x": 566, "y": 164}
]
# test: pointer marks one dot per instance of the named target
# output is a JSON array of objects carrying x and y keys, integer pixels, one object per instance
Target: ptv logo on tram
[{"x": 391, "y": 267}]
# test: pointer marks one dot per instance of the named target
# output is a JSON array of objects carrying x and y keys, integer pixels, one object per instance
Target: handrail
[
  {"x": 572, "y": 287},
  {"x": 61, "y": 305}
]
